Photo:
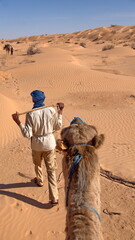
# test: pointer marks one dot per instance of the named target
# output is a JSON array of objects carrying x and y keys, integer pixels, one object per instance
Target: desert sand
[{"x": 98, "y": 86}]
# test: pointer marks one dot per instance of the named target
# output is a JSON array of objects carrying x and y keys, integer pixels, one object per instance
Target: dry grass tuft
[
  {"x": 32, "y": 50},
  {"x": 82, "y": 44},
  {"x": 107, "y": 47}
]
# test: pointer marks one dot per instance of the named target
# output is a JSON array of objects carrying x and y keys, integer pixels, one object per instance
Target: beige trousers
[{"x": 50, "y": 162}]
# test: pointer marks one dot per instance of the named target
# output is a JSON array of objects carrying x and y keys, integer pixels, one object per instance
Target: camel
[
  {"x": 81, "y": 172},
  {"x": 8, "y": 49}
]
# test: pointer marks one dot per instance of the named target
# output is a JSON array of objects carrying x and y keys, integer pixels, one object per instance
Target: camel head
[{"x": 79, "y": 133}]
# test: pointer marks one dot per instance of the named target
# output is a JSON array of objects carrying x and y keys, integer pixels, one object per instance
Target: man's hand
[
  {"x": 15, "y": 117},
  {"x": 60, "y": 107}
]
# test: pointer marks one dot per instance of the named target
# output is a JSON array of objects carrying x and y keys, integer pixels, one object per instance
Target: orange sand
[{"x": 98, "y": 86}]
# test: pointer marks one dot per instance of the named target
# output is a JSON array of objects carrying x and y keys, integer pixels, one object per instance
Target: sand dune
[
  {"x": 7, "y": 128},
  {"x": 96, "y": 85}
]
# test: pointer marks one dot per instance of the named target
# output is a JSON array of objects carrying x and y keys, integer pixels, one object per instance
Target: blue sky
[{"x": 34, "y": 17}]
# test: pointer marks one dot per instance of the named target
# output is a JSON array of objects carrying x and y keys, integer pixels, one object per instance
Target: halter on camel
[
  {"x": 73, "y": 168},
  {"x": 76, "y": 160}
]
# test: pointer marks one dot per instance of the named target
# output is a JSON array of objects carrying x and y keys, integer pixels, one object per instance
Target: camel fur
[{"x": 82, "y": 223}]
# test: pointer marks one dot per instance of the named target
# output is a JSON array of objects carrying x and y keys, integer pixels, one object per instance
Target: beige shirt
[{"x": 39, "y": 126}]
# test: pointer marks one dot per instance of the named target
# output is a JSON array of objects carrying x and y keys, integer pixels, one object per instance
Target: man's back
[
  {"x": 39, "y": 126},
  {"x": 42, "y": 121}
]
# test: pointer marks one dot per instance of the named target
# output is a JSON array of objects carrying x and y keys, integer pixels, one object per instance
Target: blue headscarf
[
  {"x": 38, "y": 98},
  {"x": 77, "y": 120}
]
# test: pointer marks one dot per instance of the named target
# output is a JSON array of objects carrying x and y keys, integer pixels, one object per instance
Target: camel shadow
[{"x": 21, "y": 197}]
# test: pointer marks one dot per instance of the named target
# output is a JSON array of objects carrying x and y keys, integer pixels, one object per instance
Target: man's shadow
[{"x": 23, "y": 198}]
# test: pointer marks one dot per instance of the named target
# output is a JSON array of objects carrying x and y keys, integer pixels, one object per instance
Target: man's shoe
[
  {"x": 37, "y": 183},
  {"x": 54, "y": 203}
]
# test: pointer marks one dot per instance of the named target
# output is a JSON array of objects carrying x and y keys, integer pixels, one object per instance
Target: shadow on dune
[
  {"x": 27, "y": 200},
  {"x": 23, "y": 198},
  {"x": 18, "y": 185}
]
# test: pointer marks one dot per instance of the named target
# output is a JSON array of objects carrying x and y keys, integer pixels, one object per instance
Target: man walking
[{"x": 39, "y": 126}]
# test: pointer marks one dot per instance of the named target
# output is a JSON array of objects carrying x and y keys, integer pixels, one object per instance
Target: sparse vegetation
[
  {"x": 82, "y": 44},
  {"x": 107, "y": 47},
  {"x": 114, "y": 25},
  {"x": 68, "y": 40},
  {"x": 32, "y": 50},
  {"x": 125, "y": 45},
  {"x": 100, "y": 42}
]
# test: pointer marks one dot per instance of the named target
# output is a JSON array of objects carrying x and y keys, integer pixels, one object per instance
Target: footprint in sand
[{"x": 9, "y": 81}]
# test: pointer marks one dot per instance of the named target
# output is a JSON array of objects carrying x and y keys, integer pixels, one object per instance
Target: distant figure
[
  {"x": 12, "y": 50},
  {"x": 8, "y": 48}
]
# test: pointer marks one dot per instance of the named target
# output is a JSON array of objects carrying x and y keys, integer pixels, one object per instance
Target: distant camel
[
  {"x": 82, "y": 181},
  {"x": 8, "y": 49}
]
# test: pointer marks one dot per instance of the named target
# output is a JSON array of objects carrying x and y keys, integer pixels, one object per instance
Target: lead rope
[{"x": 75, "y": 162}]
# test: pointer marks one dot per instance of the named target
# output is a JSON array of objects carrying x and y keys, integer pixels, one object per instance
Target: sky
[{"x": 36, "y": 17}]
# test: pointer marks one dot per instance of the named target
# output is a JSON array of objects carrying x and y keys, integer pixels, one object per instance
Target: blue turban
[
  {"x": 77, "y": 120},
  {"x": 38, "y": 98}
]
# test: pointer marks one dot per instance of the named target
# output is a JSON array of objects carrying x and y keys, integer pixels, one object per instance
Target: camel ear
[
  {"x": 98, "y": 140},
  {"x": 60, "y": 145}
]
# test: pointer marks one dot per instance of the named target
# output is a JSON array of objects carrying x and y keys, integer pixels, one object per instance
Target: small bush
[
  {"x": 32, "y": 50},
  {"x": 114, "y": 25},
  {"x": 100, "y": 42},
  {"x": 107, "y": 47},
  {"x": 82, "y": 44},
  {"x": 125, "y": 45}
]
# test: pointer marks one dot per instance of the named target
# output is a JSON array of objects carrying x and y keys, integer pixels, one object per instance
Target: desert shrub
[
  {"x": 32, "y": 50},
  {"x": 114, "y": 25},
  {"x": 100, "y": 42},
  {"x": 125, "y": 45},
  {"x": 107, "y": 47},
  {"x": 82, "y": 44},
  {"x": 133, "y": 46}
]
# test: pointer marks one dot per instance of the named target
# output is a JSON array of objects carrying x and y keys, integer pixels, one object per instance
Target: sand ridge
[{"x": 94, "y": 84}]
